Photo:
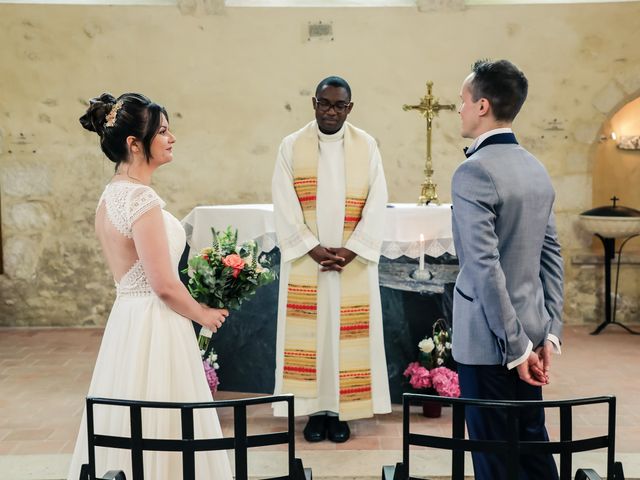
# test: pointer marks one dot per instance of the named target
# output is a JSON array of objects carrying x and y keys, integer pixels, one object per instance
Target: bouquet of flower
[
  {"x": 434, "y": 370},
  {"x": 435, "y": 351},
  {"x": 226, "y": 274},
  {"x": 210, "y": 366}
]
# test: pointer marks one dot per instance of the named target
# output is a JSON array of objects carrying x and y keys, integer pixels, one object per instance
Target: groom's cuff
[
  {"x": 521, "y": 359},
  {"x": 556, "y": 343}
]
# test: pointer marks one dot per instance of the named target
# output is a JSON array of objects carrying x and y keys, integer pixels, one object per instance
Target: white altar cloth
[{"x": 403, "y": 225}]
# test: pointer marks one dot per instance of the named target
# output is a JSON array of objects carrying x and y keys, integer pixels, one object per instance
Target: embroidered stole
[{"x": 300, "y": 350}]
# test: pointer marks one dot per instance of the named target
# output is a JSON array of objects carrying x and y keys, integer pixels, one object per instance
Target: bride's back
[
  {"x": 118, "y": 250},
  {"x": 121, "y": 204}
]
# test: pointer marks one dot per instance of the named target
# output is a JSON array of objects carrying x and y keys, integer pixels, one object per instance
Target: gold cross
[{"x": 428, "y": 108}]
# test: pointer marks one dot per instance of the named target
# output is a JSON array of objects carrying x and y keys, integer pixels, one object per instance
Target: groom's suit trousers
[{"x": 497, "y": 383}]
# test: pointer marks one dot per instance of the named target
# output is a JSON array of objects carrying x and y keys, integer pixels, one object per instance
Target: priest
[{"x": 329, "y": 197}]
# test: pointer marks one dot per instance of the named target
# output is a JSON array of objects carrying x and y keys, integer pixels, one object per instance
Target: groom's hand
[
  {"x": 531, "y": 371},
  {"x": 544, "y": 353}
]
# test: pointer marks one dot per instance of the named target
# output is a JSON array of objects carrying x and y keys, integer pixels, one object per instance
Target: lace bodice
[{"x": 125, "y": 202}]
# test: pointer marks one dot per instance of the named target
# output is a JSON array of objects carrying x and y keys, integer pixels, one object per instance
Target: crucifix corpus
[{"x": 428, "y": 108}]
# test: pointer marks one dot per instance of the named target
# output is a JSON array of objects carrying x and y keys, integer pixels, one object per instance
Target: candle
[{"x": 421, "y": 258}]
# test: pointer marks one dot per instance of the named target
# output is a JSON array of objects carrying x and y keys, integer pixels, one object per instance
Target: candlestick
[{"x": 421, "y": 274}]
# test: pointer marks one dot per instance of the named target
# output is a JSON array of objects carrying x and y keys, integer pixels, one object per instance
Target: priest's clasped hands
[{"x": 331, "y": 259}]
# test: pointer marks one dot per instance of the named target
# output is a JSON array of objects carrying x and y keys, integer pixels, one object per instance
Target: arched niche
[{"x": 616, "y": 171}]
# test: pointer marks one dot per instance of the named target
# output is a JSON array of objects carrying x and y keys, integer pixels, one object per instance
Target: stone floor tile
[{"x": 42, "y": 394}]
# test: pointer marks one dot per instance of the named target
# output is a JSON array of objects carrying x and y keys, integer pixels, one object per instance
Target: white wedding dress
[{"x": 148, "y": 352}]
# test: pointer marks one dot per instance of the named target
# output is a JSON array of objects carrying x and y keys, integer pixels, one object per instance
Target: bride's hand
[{"x": 213, "y": 318}]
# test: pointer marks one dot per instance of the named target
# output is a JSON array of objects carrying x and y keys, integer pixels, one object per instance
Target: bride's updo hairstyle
[{"x": 115, "y": 119}]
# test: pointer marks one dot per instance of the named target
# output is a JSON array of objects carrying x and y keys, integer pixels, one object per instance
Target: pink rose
[{"x": 234, "y": 261}]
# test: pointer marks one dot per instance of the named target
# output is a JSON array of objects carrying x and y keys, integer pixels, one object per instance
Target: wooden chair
[
  {"x": 512, "y": 447},
  {"x": 240, "y": 442}
]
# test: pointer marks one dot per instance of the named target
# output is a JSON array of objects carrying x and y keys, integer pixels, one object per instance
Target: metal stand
[{"x": 609, "y": 313}]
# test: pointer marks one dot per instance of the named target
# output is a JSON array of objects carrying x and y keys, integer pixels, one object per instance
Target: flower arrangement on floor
[
  {"x": 225, "y": 275},
  {"x": 434, "y": 372},
  {"x": 210, "y": 366}
]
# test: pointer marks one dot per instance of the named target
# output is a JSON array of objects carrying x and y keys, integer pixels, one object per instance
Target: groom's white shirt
[{"x": 481, "y": 138}]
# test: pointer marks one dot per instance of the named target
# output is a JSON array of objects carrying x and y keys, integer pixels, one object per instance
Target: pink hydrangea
[
  {"x": 212, "y": 377},
  {"x": 445, "y": 381},
  {"x": 411, "y": 368},
  {"x": 419, "y": 377}
]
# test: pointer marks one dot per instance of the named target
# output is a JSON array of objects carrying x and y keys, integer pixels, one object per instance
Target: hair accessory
[{"x": 111, "y": 116}]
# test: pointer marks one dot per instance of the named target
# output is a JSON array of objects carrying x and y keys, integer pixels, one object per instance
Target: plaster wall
[{"x": 238, "y": 80}]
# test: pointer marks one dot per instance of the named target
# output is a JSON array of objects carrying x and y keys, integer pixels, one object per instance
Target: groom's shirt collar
[{"x": 476, "y": 143}]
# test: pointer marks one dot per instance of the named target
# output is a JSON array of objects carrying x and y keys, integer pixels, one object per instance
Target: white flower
[
  {"x": 439, "y": 361},
  {"x": 447, "y": 346},
  {"x": 426, "y": 345},
  {"x": 215, "y": 366},
  {"x": 440, "y": 348},
  {"x": 214, "y": 357}
]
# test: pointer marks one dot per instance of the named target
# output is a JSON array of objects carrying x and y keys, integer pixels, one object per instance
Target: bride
[{"x": 149, "y": 350}]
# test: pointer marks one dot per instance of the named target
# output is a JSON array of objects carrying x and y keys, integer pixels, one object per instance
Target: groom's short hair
[{"x": 503, "y": 84}]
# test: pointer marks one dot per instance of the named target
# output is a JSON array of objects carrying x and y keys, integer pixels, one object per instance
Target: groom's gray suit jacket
[{"x": 510, "y": 286}]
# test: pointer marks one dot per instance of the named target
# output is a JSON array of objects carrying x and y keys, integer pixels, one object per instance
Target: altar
[
  {"x": 404, "y": 224},
  {"x": 246, "y": 343}
]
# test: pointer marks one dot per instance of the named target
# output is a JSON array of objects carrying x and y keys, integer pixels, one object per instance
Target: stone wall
[{"x": 236, "y": 80}]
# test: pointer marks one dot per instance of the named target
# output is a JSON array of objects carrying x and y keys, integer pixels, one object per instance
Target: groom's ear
[{"x": 484, "y": 107}]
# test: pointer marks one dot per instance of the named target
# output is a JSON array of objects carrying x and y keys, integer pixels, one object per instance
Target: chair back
[
  {"x": 511, "y": 447},
  {"x": 240, "y": 442}
]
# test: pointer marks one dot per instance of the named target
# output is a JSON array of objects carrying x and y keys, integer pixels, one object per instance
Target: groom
[{"x": 508, "y": 295}]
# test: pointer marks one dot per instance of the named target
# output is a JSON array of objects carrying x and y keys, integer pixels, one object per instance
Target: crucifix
[{"x": 428, "y": 108}]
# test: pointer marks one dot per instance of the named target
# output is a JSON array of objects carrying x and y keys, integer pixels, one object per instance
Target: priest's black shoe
[
  {"x": 338, "y": 431},
  {"x": 316, "y": 429}
]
